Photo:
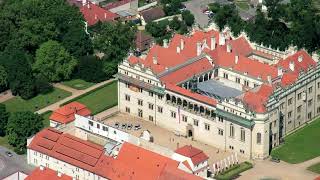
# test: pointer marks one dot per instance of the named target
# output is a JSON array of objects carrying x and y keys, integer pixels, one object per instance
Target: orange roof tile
[
  {"x": 197, "y": 156},
  {"x": 46, "y": 174},
  {"x": 93, "y": 13},
  {"x": 299, "y": 66},
  {"x": 65, "y": 114}
]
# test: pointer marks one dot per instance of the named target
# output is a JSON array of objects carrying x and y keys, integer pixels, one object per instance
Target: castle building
[{"x": 223, "y": 91}]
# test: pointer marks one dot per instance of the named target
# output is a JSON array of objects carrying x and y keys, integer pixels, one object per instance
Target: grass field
[
  {"x": 4, "y": 142},
  {"x": 242, "y": 4},
  {"x": 78, "y": 84},
  {"x": 234, "y": 171},
  {"x": 315, "y": 168},
  {"x": 99, "y": 99},
  {"x": 46, "y": 121},
  {"x": 300, "y": 146},
  {"x": 36, "y": 103}
]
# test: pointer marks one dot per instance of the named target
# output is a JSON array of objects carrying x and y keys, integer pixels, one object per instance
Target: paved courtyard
[
  {"x": 166, "y": 138},
  {"x": 10, "y": 165}
]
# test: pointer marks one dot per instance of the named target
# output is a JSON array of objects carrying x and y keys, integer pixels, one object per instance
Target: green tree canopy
[
  {"x": 188, "y": 17},
  {"x": 4, "y": 115},
  {"x": 90, "y": 69},
  {"x": 54, "y": 62},
  {"x": 22, "y": 125},
  {"x": 3, "y": 78}
]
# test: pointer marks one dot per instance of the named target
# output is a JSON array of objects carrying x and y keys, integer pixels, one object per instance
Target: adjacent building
[{"x": 222, "y": 90}]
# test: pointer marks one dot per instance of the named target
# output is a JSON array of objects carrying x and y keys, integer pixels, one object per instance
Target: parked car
[
  {"x": 129, "y": 127},
  {"x": 137, "y": 127},
  {"x": 208, "y": 12},
  {"x": 116, "y": 125},
  {"x": 124, "y": 126},
  {"x": 274, "y": 159},
  {"x": 8, "y": 153}
]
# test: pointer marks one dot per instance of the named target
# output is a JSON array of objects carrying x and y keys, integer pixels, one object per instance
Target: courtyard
[{"x": 165, "y": 137}]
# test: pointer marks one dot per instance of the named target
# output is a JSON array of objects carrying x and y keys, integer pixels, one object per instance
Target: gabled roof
[
  {"x": 152, "y": 14},
  {"x": 197, "y": 156},
  {"x": 65, "y": 114},
  {"x": 93, "y": 13},
  {"x": 46, "y": 174},
  {"x": 306, "y": 61}
]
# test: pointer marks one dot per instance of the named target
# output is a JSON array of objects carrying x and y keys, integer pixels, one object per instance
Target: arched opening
[
  {"x": 185, "y": 103},
  {"x": 200, "y": 79},
  {"x": 174, "y": 100},
  {"x": 201, "y": 109},
  {"x": 179, "y": 101},
  {"x": 168, "y": 97},
  {"x": 190, "y": 133},
  {"x": 206, "y": 77}
]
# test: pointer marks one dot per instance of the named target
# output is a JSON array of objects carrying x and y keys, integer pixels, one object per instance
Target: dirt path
[
  {"x": 75, "y": 93},
  {"x": 66, "y": 88}
]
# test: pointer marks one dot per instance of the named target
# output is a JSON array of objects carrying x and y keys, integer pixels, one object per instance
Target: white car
[{"x": 207, "y": 12}]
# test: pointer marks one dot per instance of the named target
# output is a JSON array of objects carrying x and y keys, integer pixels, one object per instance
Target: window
[
  {"x": 241, "y": 151},
  {"x": 127, "y": 109},
  {"x": 149, "y": 81},
  {"x": 35, "y": 161},
  {"x": 289, "y": 114},
  {"x": 160, "y": 109},
  {"x": 150, "y": 106},
  {"x": 281, "y": 105},
  {"x": 151, "y": 94},
  {"x": 151, "y": 118},
  {"x": 231, "y": 130},
  {"x": 104, "y": 128},
  {"x": 127, "y": 97},
  {"x": 310, "y": 90},
  {"x": 184, "y": 118},
  {"x": 225, "y": 75},
  {"x": 290, "y": 101},
  {"x": 173, "y": 114},
  {"x": 275, "y": 123},
  {"x": 318, "y": 85},
  {"x": 299, "y": 109},
  {"x": 258, "y": 138},
  {"x": 243, "y": 135},
  {"x": 231, "y": 147},
  {"x": 207, "y": 126},
  {"x": 140, "y": 114},
  {"x": 318, "y": 110},
  {"x": 195, "y": 122},
  {"x": 299, "y": 96},
  {"x": 246, "y": 83},
  {"x": 220, "y": 132},
  {"x": 310, "y": 102},
  {"x": 140, "y": 102},
  {"x": 238, "y": 80},
  {"x": 309, "y": 115},
  {"x": 318, "y": 97},
  {"x": 77, "y": 169},
  {"x": 98, "y": 126},
  {"x": 35, "y": 153},
  {"x": 140, "y": 90},
  {"x": 160, "y": 97},
  {"x": 127, "y": 85},
  {"x": 220, "y": 119},
  {"x": 90, "y": 123},
  {"x": 47, "y": 157}
]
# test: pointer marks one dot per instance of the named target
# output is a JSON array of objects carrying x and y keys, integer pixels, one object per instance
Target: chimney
[
  {"x": 165, "y": 43},
  {"x": 59, "y": 174},
  {"x": 84, "y": 2},
  {"x": 280, "y": 73},
  {"x": 300, "y": 58},
  {"x": 155, "y": 60},
  {"x": 41, "y": 168},
  {"x": 269, "y": 79},
  {"x": 178, "y": 50},
  {"x": 88, "y": 5},
  {"x": 213, "y": 43},
  {"x": 181, "y": 44},
  {"x": 198, "y": 48},
  {"x": 291, "y": 65},
  {"x": 105, "y": 15},
  {"x": 222, "y": 39},
  {"x": 236, "y": 59},
  {"x": 95, "y": 16},
  {"x": 229, "y": 48}
]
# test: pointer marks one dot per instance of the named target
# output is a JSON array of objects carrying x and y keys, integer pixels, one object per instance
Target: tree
[
  {"x": 90, "y": 69},
  {"x": 115, "y": 40},
  {"x": 172, "y": 7},
  {"x": 3, "y": 79},
  {"x": 188, "y": 17},
  {"x": 22, "y": 125},
  {"x": 4, "y": 115},
  {"x": 42, "y": 84},
  {"x": 183, "y": 28},
  {"x": 54, "y": 62},
  {"x": 175, "y": 23}
]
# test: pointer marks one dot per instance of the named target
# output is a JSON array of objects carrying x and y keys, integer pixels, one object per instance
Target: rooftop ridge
[{"x": 186, "y": 63}]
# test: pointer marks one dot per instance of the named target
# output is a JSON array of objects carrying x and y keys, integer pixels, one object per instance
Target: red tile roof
[
  {"x": 188, "y": 93},
  {"x": 256, "y": 99},
  {"x": 65, "y": 114},
  {"x": 241, "y": 46},
  {"x": 67, "y": 148},
  {"x": 197, "y": 156},
  {"x": 176, "y": 174},
  {"x": 299, "y": 66},
  {"x": 93, "y": 13},
  {"x": 46, "y": 174}
]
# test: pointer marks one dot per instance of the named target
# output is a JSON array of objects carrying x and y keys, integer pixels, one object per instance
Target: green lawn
[
  {"x": 46, "y": 121},
  {"x": 36, "y": 103},
  {"x": 78, "y": 84},
  {"x": 244, "y": 5},
  {"x": 4, "y": 142},
  {"x": 99, "y": 99},
  {"x": 300, "y": 146},
  {"x": 234, "y": 171},
  {"x": 315, "y": 168}
]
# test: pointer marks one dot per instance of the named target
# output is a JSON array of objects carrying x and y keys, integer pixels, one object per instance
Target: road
[
  {"x": 10, "y": 165},
  {"x": 196, "y": 6}
]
